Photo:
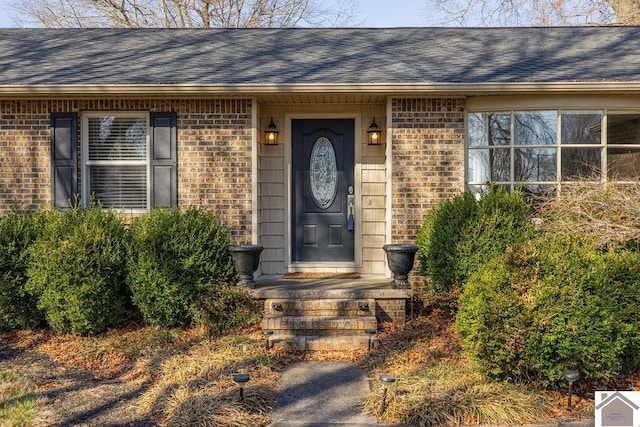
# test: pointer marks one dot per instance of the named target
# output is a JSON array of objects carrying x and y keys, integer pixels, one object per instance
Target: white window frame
[
  {"x": 558, "y": 146},
  {"x": 86, "y": 163}
]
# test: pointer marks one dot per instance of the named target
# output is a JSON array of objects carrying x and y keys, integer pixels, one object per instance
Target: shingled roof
[{"x": 285, "y": 57}]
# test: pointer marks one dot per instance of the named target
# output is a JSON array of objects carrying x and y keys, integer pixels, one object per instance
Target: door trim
[{"x": 323, "y": 267}]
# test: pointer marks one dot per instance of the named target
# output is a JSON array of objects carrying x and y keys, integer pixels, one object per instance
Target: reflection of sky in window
[
  {"x": 105, "y": 127},
  {"x": 535, "y": 128},
  {"x": 488, "y": 129}
]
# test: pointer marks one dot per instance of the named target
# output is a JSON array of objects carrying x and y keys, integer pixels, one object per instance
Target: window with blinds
[{"x": 116, "y": 159}]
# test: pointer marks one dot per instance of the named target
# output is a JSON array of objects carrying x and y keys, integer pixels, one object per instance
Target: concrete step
[
  {"x": 319, "y": 325},
  {"x": 324, "y": 343},
  {"x": 319, "y": 307}
]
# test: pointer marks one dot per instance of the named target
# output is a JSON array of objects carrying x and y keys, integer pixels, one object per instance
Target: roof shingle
[{"x": 318, "y": 56}]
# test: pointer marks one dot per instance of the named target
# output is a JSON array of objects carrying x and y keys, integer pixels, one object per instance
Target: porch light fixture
[
  {"x": 374, "y": 133},
  {"x": 571, "y": 376},
  {"x": 271, "y": 134}
]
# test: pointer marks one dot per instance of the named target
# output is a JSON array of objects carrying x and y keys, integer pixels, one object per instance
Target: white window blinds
[{"x": 117, "y": 161}]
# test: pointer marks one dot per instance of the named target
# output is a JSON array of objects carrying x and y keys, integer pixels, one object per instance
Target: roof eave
[{"x": 189, "y": 90}]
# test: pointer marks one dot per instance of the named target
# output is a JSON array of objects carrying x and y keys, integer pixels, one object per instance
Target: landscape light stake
[
  {"x": 267, "y": 334},
  {"x": 371, "y": 333},
  {"x": 241, "y": 379},
  {"x": 571, "y": 376},
  {"x": 386, "y": 379}
]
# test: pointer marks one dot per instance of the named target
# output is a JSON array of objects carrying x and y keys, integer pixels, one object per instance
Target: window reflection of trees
[
  {"x": 581, "y": 128},
  {"x": 535, "y": 128},
  {"x": 535, "y": 147}
]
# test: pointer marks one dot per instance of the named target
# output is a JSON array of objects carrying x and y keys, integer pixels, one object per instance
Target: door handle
[{"x": 351, "y": 208}]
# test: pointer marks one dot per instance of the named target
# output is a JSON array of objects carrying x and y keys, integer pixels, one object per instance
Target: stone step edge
[
  {"x": 319, "y": 307},
  {"x": 319, "y": 343},
  {"x": 351, "y": 323},
  {"x": 309, "y": 294}
]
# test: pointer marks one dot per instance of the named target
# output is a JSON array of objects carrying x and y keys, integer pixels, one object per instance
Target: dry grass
[
  {"x": 437, "y": 385},
  {"x": 17, "y": 400},
  {"x": 188, "y": 376},
  {"x": 196, "y": 385},
  {"x": 607, "y": 212}
]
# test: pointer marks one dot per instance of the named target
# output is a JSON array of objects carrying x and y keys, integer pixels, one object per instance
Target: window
[
  {"x": 116, "y": 159},
  {"x": 129, "y": 159},
  {"x": 545, "y": 148}
]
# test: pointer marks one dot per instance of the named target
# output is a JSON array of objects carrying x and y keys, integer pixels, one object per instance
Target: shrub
[
  {"x": 78, "y": 269},
  {"x": 608, "y": 213},
  {"x": 444, "y": 227},
  {"x": 177, "y": 257},
  {"x": 17, "y": 307},
  {"x": 459, "y": 235},
  {"x": 224, "y": 307},
  {"x": 550, "y": 305}
]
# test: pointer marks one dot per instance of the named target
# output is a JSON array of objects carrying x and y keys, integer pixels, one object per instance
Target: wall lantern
[
  {"x": 271, "y": 134},
  {"x": 374, "y": 132}
]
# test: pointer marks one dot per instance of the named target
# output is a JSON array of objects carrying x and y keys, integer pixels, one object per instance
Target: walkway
[{"x": 320, "y": 394}]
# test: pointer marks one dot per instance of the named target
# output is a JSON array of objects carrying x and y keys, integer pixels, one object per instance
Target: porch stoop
[{"x": 328, "y": 314}]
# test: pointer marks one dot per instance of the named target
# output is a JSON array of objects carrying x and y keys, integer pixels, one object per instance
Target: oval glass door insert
[{"x": 323, "y": 173}]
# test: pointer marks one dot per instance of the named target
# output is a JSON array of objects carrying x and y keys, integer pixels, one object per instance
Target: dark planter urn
[
  {"x": 400, "y": 260},
  {"x": 246, "y": 259}
]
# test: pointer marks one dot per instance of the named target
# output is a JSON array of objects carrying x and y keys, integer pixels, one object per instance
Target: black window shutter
[
  {"x": 164, "y": 160},
  {"x": 64, "y": 159}
]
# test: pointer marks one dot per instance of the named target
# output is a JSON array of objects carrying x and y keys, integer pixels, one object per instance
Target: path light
[
  {"x": 386, "y": 380},
  {"x": 241, "y": 379},
  {"x": 371, "y": 333},
  {"x": 571, "y": 376},
  {"x": 267, "y": 334}
]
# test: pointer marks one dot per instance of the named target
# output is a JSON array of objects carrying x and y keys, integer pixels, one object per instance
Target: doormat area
[{"x": 321, "y": 276}]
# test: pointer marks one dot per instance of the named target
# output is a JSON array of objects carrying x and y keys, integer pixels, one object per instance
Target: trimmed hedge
[
  {"x": 18, "y": 308},
  {"x": 77, "y": 270},
  {"x": 552, "y": 304},
  {"x": 177, "y": 257},
  {"x": 459, "y": 235}
]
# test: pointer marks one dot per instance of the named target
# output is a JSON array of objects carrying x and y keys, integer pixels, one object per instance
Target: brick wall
[
  {"x": 428, "y": 159},
  {"x": 214, "y": 153}
]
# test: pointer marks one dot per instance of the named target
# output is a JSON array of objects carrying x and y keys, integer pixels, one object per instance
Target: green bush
[
  {"x": 444, "y": 227},
  {"x": 459, "y": 235},
  {"x": 553, "y": 304},
  {"x": 17, "y": 307},
  {"x": 177, "y": 257},
  {"x": 78, "y": 269},
  {"x": 224, "y": 307}
]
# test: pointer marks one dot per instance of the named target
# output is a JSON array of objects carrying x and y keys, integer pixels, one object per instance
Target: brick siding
[
  {"x": 214, "y": 152},
  {"x": 428, "y": 159}
]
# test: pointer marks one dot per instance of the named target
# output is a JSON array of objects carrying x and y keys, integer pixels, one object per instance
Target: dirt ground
[{"x": 72, "y": 395}]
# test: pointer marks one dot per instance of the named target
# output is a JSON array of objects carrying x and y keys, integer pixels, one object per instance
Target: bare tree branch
[
  {"x": 484, "y": 13},
  {"x": 182, "y": 13}
]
